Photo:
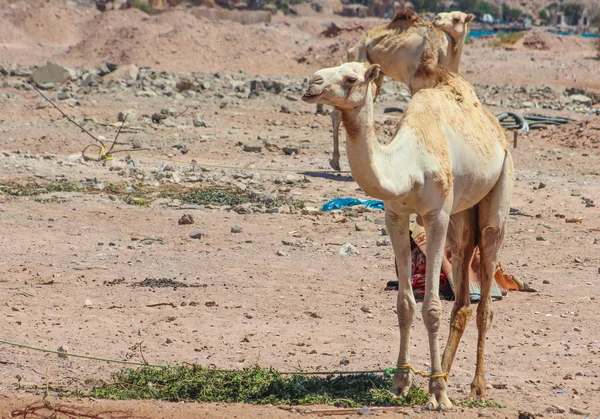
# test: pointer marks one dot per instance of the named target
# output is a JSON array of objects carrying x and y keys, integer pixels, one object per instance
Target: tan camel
[
  {"x": 449, "y": 163},
  {"x": 398, "y": 48},
  {"x": 456, "y": 26}
]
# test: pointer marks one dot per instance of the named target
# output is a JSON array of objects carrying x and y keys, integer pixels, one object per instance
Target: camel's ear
[
  {"x": 469, "y": 18},
  {"x": 372, "y": 72}
]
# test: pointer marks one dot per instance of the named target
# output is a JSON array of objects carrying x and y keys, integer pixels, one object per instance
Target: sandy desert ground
[{"x": 277, "y": 293}]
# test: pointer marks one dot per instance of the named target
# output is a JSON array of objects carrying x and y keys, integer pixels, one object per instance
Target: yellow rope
[
  {"x": 262, "y": 169},
  {"x": 405, "y": 367}
]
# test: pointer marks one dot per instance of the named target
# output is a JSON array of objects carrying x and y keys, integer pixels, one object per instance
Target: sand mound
[
  {"x": 580, "y": 134},
  {"x": 541, "y": 40},
  {"x": 178, "y": 41}
]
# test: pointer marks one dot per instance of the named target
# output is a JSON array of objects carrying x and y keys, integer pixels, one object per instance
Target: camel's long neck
[
  {"x": 376, "y": 169},
  {"x": 454, "y": 53}
]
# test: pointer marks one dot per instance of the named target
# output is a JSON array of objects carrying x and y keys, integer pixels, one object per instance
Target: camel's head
[
  {"x": 455, "y": 24},
  {"x": 344, "y": 87}
]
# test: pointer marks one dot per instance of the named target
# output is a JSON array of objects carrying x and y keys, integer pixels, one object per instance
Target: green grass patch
[
  {"x": 506, "y": 38},
  {"x": 230, "y": 197},
  {"x": 253, "y": 385},
  {"x": 35, "y": 188},
  {"x": 482, "y": 403}
]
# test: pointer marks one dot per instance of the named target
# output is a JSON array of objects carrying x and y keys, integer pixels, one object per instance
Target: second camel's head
[{"x": 454, "y": 24}]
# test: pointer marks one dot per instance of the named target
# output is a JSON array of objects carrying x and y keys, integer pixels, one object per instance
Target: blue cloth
[{"x": 339, "y": 203}]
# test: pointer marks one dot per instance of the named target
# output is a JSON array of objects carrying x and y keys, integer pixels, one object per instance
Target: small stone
[
  {"x": 545, "y": 281},
  {"x": 556, "y": 409},
  {"x": 540, "y": 239},
  {"x": 284, "y": 109},
  {"x": 288, "y": 151},
  {"x": 253, "y": 147},
  {"x": 137, "y": 143},
  {"x": 198, "y": 121},
  {"x": 384, "y": 241},
  {"x": 526, "y": 415},
  {"x": 542, "y": 185},
  {"x": 169, "y": 341},
  {"x": 129, "y": 116},
  {"x": 582, "y": 100},
  {"x": 183, "y": 85},
  {"x": 384, "y": 231},
  {"x": 170, "y": 111},
  {"x": 578, "y": 260},
  {"x": 577, "y": 329},
  {"x": 359, "y": 227},
  {"x": 88, "y": 303},
  {"x": 186, "y": 219},
  {"x": 64, "y": 350},
  {"x": 281, "y": 253},
  {"x": 366, "y": 309},
  {"x": 575, "y": 192},
  {"x": 236, "y": 229},
  {"x": 364, "y": 411},
  {"x": 580, "y": 412},
  {"x": 348, "y": 249},
  {"x": 50, "y": 73},
  {"x": 196, "y": 234}
]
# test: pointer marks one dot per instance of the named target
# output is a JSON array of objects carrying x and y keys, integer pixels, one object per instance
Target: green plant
[
  {"x": 254, "y": 385},
  {"x": 573, "y": 13},
  {"x": 144, "y": 5},
  {"x": 511, "y": 15},
  {"x": 544, "y": 16}
]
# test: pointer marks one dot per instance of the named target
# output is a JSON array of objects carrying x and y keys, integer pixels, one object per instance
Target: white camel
[{"x": 450, "y": 164}]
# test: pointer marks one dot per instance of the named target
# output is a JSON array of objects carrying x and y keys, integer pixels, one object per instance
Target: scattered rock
[
  {"x": 196, "y": 234},
  {"x": 384, "y": 231},
  {"x": 184, "y": 85},
  {"x": 348, "y": 249},
  {"x": 526, "y": 415},
  {"x": 582, "y": 100},
  {"x": 364, "y": 411},
  {"x": 168, "y": 341},
  {"x": 556, "y": 409},
  {"x": 365, "y": 309},
  {"x": 129, "y": 115},
  {"x": 64, "y": 350},
  {"x": 236, "y": 229},
  {"x": 580, "y": 412},
  {"x": 88, "y": 303},
  {"x": 198, "y": 121},
  {"x": 127, "y": 73},
  {"x": 545, "y": 281},
  {"x": 281, "y": 253},
  {"x": 186, "y": 219},
  {"x": 384, "y": 241},
  {"x": 288, "y": 151},
  {"x": 253, "y": 147},
  {"x": 359, "y": 227},
  {"x": 49, "y": 74}
]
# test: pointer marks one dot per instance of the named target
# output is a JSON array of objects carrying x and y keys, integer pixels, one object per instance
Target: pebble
[
  {"x": 198, "y": 121},
  {"x": 63, "y": 349},
  {"x": 384, "y": 241},
  {"x": 384, "y": 231},
  {"x": 236, "y": 229},
  {"x": 196, "y": 234},
  {"x": 359, "y": 227},
  {"x": 88, "y": 303},
  {"x": 253, "y": 147},
  {"x": 348, "y": 249},
  {"x": 186, "y": 219},
  {"x": 577, "y": 329},
  {"x": 366, "y": 309},
  {"x": 545, "y": 281},
  {"x": 556, "y": 409},
  {"x": 580, "y": 412},
  {"x": 364, "y": 411},
  {"x": 281, "y": 253}
]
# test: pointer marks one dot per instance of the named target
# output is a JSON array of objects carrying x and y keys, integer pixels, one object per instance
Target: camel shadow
[{"x": 330, "y": 176}]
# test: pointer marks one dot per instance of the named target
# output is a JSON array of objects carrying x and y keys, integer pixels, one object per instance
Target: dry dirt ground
[{"x": 278, "y": 293}]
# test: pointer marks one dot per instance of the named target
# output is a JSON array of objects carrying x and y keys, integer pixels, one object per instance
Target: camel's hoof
[
  {"x": 429, "y": 406},
  {"x": 335, "y": 165},
  {"x": 442, "y": 407}
]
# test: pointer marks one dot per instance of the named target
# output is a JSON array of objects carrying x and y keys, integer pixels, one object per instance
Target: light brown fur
[{"x": 448, "y": 163}]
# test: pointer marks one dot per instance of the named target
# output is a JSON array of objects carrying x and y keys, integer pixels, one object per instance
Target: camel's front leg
[
  {"x": 336, "y": 121},
  {"x": 436, "y": 226},
  {"x": 398, "y": 229}
]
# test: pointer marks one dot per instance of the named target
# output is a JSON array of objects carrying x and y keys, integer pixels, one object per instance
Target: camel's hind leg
[
  {"x": 493, "y": 213},
  {"x": 461, "y": 236},
  {"x": 336, "y": 121}
]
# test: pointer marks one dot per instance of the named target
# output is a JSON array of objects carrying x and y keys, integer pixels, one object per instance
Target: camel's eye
[
  {"x": 350, "y": 80},
  {"x": 456, "y": 20}
]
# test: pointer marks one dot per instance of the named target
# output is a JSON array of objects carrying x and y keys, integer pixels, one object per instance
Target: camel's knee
[
  {"x": 484, "y": 315},
  {"x": 491, "y": 238},
  {"x": 432, "y": 311},
  {"x": 460, "y": 317},
  {"x": 406, "y": 311}
]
